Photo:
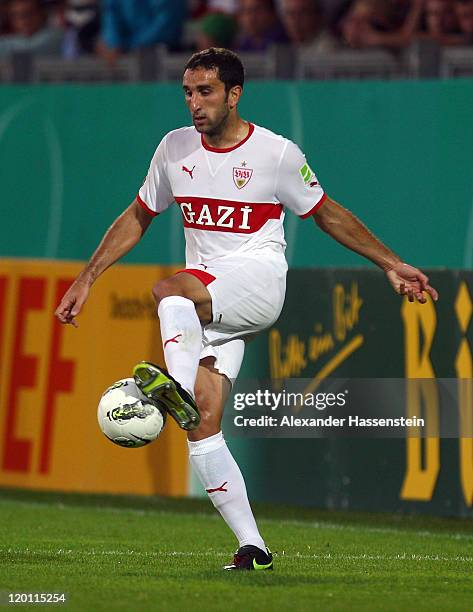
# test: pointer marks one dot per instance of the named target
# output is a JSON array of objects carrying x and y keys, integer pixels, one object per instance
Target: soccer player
[{"x": 232, "y": 181}]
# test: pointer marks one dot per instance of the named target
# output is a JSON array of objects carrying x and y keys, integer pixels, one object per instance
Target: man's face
[
  {"x": 464, "y": 13},
  {"x": 207, "y": 100},
  {"x": 439, "y": 16},
  {"x": 255, "y": 16},
  {"x": 26, "y": 17},
  {"x": 355, "y": 22},
  {"x": 301, "y": 20}
]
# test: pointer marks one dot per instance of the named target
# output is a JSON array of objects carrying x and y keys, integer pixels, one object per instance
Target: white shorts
[{"x": 247, "y": 297}]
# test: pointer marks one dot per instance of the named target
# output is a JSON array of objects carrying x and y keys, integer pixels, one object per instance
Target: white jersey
[{"x": 232, "y": 200}]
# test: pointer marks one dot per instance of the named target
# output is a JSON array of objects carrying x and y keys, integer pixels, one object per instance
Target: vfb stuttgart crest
[{"x": 241, "y": 176}]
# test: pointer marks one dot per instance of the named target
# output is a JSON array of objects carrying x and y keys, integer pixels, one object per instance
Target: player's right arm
[{"x": 124, "y": 233}]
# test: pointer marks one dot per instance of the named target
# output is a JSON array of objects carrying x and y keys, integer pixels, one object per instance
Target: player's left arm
[{"x": 348, "y": 230}]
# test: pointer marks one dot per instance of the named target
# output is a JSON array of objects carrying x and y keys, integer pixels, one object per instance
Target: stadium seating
[
  {"x": 420, "y": 60},
  {"x": 351, "y": 65},
  {"x": 456, "y": 62},
  {"x": 5, "y": 71},
  {"x": 84, "y": 70},
  {"x": 257, "y": 65}
]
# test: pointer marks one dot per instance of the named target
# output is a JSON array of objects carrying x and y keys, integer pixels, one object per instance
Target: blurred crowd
[{"x": 111, "y": 28}]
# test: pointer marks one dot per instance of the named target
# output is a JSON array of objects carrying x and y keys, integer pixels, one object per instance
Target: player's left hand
[{"x": 410, "y": 281}]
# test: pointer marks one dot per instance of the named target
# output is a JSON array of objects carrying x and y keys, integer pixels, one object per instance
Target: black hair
[{"x": 227, "y": 64}]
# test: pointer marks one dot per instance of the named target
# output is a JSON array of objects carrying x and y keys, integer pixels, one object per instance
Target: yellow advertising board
[{"x": 52, "y": 377}]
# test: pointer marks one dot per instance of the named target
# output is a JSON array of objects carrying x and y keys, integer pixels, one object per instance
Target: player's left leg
[{"x": 217, "y": 469}]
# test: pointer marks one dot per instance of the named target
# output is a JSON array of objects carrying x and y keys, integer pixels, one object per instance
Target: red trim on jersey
[
  {"x": 215, "y": 215},
  {"x": 251, "y": 129},
  {"x": 204, "y": 277},
  {"x": 145, "y": 206},
  {"x": 312, "y": 210}
]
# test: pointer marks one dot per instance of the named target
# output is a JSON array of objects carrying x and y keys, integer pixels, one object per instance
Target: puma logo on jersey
[
  {"x": 189, "y": 172},
  {"x": 226, "y": 215}
]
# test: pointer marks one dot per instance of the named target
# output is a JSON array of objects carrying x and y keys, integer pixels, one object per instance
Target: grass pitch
[{"x": 126, "y": 553}]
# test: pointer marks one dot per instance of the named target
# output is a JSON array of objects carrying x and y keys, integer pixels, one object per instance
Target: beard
[{"x": 215, "y": 127}]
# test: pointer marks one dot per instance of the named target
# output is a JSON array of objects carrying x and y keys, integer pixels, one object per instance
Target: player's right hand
[{"x": 71, "y": 303}]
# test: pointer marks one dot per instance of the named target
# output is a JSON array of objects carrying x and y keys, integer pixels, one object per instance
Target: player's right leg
[
  {"x": 184, "y": 305},
  {"x": 217, "y": 469}
]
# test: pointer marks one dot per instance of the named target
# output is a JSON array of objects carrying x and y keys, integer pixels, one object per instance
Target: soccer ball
[{"x": 127, "y": 417}]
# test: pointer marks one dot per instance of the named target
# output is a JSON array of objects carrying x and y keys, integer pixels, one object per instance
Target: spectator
[
  {"x": 440, "y": 20},
  {"x": 54, "y": 10},
  {"x": 259, "y": 26},
  {"x": 4, "y": 26},
  {"x": 82, "y": 24},
  {"x": 304, "y": 25},
  {"x": 29, "y": 30},
  {"x": 464, "y": 15},
  {"x": 215, "y": 30},
  {"x": 377, "y": 23},
  {"x": 128, "y": 25}
]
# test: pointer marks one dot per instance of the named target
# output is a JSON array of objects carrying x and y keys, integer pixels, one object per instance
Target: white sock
[
  {"x": 181, "y": 333},
  {"x": 220, "y": 475}
]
